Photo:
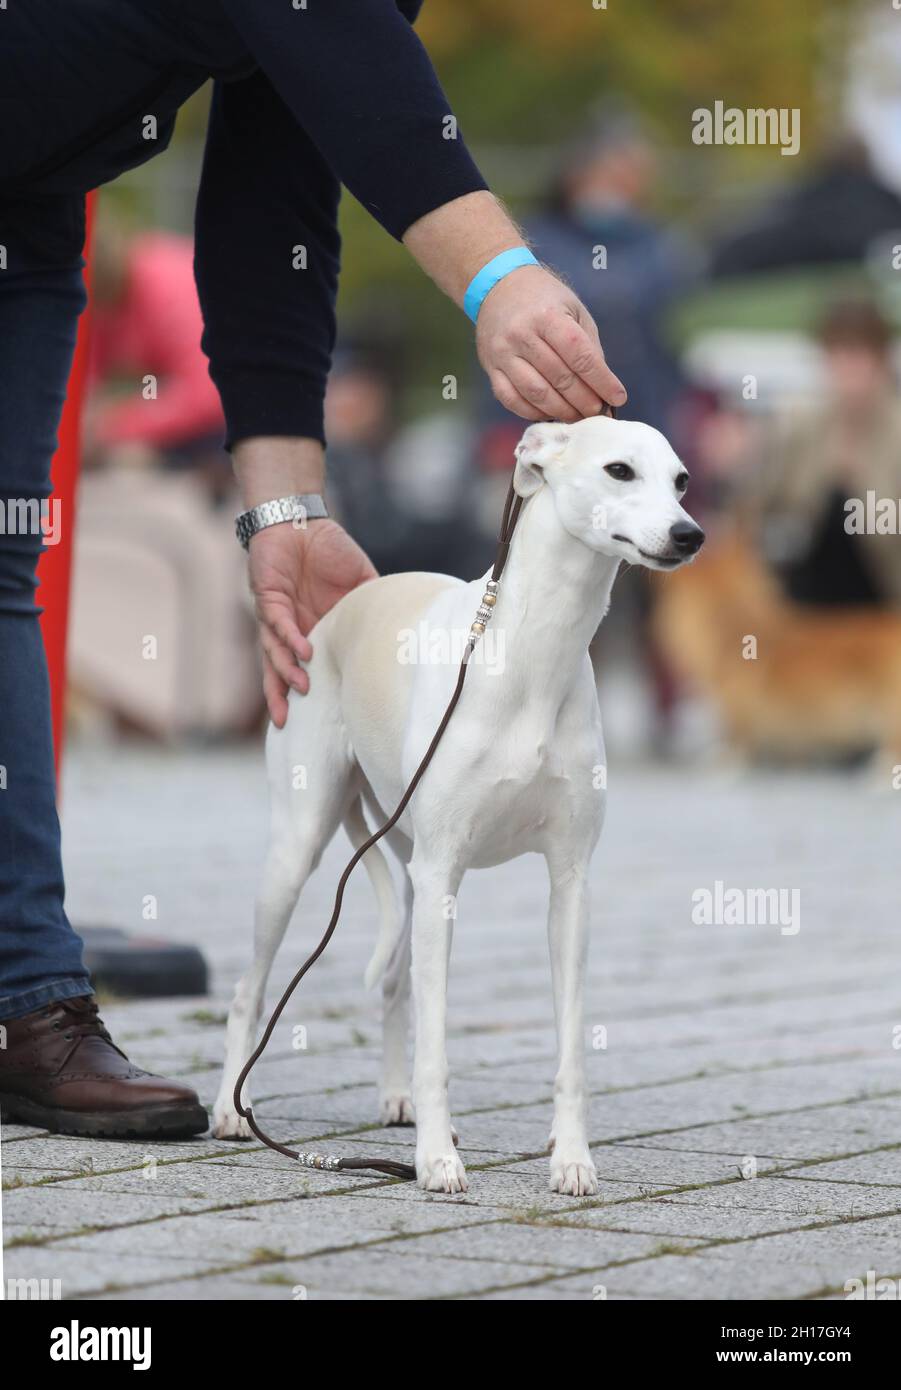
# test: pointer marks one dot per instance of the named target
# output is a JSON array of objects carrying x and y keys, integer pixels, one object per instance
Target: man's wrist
[
  {"x": 297, "y": 510},
  {"x": 271, "y": 467},
  {"x": 491, "y": 274},
  {"x": 456, "y": 240}
]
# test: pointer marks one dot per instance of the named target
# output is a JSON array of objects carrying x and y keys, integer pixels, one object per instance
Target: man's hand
[
  {"x": 536, "y": 340},
  {"x": 541, "y": 350},
  {"x": 297, "y": 573}
]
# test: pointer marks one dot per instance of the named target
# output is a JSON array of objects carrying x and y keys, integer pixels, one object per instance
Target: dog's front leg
[
  {"x": 438, "y": 1168},
  {"x": 572, "y": 1170}
]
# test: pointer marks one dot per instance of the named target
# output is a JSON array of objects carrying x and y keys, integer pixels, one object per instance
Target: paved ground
[{"x": 730, "y": 1050}]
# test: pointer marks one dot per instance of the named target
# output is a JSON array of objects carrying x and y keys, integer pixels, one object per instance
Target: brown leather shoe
[{"x": 62, "y": 1071}]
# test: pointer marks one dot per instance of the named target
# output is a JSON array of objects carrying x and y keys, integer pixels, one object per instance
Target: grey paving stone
[
  {"x": 677, "y": 1220},
  {"x": 796, "y": 1197},
  {"x": 722, "y": 1043},
  {"x": 574, "y": 1289},
  {"x": 208, "y": 1184},
  {"x": 57, "y": 1154},
  {"x": 390, "y": 1271},
  {"x": 82, "y": 1273},
  {"x": 833, "y": 1131},
  {"x": 879, "y": 1169},
  {"x": 256, "y": 1288},
  {"x": 259, "y": 1235},
  {"x": 534, "y": 1243},
  {"x": 60, "y": 1207}
]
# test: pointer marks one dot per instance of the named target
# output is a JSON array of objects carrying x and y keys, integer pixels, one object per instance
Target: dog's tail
[{"x": 376, "y": 866}]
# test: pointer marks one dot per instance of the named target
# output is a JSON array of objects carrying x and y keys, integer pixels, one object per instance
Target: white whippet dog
[{"x": 517, "y": 770}]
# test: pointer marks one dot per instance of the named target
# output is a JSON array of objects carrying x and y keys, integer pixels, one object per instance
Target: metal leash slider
[
  {"x": 311, "y": 1160},
  {"x": 484, "y": 615}
]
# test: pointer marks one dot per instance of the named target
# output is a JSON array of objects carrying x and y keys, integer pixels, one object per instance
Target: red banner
[{"x": 55, "y": 566}]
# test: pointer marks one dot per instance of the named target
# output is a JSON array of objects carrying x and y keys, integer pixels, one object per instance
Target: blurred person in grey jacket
[{"x": 626, "y": 266}]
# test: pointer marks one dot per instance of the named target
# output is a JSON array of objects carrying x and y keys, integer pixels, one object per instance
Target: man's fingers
[
  {"x": 586, "y": 358},
  {"x": 540, "y": 393},
  {"x": 277, "y": 617},
  {"x": 510, "y": 398},
  {"x": 550, "y": 365},
  {"x": 281, "y": 658},
  {"x": 276, "y": 693}
]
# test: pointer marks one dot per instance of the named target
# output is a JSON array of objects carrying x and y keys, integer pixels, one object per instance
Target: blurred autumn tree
[{"x": 526, "y": 67}]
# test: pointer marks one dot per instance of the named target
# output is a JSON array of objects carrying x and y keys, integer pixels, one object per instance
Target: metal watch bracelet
[{"x": 300, "y": 508}]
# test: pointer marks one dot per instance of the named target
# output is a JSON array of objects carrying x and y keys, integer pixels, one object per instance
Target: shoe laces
[{"x": 82, "y": 1020}]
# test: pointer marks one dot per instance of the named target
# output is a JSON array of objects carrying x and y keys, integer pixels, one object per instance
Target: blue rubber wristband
[{"x": 491, "y": 273}]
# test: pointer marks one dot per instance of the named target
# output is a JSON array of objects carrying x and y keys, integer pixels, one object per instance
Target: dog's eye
[
  {"x": 681, "y": 482},
  {"x": 620, "y": 471}
]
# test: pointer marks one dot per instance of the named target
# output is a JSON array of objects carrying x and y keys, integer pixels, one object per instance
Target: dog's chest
[
  {"x": 527, "y": 785},
  {"x": 523, "y": 794}
]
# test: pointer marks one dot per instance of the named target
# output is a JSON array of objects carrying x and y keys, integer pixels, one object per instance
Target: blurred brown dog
[{"x": 788, "y": 680}]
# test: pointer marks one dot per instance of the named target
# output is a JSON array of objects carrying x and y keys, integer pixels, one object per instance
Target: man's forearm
[
  {"x": 267, "y": 468},
  {"x": 453, "y": 242}
]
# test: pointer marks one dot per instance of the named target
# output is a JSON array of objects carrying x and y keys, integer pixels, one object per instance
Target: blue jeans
[{"x": 40, "y": 954}]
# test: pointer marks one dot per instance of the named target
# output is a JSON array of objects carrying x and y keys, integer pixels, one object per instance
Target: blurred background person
[
  {"x": 833, "y": 214},
  {"x": 400, "y": 488},
  {"x": 147, "y": 324},
  {"x": 360, "y": 422},
  {"x": 816, "y": 459},
  {"x": 600, "y": 229},
  {"x": 156, "y": 536}
]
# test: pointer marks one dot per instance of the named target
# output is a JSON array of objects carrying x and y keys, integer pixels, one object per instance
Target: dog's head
[{"x": 617, "y": 487}]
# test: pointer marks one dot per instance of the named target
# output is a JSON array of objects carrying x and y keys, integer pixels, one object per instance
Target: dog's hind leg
[
  {"x": 303, "y": 822},
  {"x": 376, "y": 866},
  {"x": 390, "y": 963},
  {"x": 395, "y": 1095},
  {"x": 286, "y": 869},
  {"x": 572, "y": 1170}
]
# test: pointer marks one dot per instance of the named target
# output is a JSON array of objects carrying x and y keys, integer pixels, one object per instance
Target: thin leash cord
[{"x": 512, "y": 509}]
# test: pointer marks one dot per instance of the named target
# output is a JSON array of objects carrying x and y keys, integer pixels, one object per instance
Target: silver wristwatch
[{"x": 301, "y": 508}]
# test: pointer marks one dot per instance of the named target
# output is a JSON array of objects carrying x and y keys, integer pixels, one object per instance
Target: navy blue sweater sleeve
[
  {"x": 345, "y": 93},
  {"x": 266, "y": 263},
  {"x": 362, "y": 86}
]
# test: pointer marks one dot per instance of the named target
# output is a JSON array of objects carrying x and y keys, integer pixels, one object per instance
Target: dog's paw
[
  {"x": 444, "y": 1174},
  {"x": 228, "y": 1124},
  {"x": 397, "y": 1109},
  {"x": 573, "y": 1174}
]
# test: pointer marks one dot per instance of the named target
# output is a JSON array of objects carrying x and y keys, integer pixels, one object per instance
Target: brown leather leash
[{"x": 512, "y": 509}]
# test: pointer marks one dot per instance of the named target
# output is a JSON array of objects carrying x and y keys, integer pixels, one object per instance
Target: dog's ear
[{"x": 540, "y": 445}]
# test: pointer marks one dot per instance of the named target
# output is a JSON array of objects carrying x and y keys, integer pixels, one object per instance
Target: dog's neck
[{"x": 553, "y": 594}]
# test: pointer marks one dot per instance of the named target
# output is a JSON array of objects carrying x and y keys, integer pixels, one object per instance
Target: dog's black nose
[{"x": 686, "y": 537}]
